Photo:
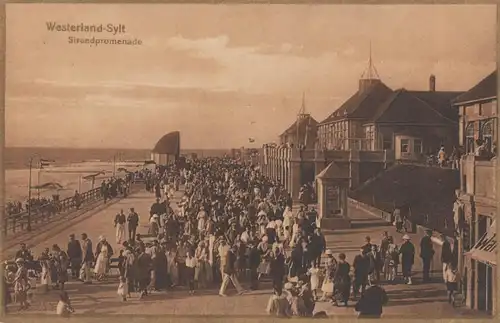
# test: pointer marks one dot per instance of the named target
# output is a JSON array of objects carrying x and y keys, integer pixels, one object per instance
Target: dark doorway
[
  {"x": 308, "y": 173},
  {"x": 489, "y": 289},
  {"x": 481, "y": 286}
]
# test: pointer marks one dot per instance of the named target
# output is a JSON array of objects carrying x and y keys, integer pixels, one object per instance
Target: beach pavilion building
[{"x": 167, "y": 149}]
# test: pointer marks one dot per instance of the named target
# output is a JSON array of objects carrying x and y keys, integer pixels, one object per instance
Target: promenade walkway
[
  {"x": 43, "y": 230},
  {"x": 419, "y": 300}
]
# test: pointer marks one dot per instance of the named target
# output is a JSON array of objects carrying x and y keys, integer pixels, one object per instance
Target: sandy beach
[{"x": 69, "y": 176}]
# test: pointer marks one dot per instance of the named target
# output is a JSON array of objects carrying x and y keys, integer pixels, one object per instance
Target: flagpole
[
  {"x": 38, "y": 180},
  {"x": 28, "y": 228}
]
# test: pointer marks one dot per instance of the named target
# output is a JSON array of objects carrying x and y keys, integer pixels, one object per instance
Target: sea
[{"x": 71, "y": 164}]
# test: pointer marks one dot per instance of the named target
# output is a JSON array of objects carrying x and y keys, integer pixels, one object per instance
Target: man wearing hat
[
  {"x": 253, "y": 264},
  {"x": 229, "y": 273},
  {"x": 24, "y": 253},
  {"x": 133, "y": 223},
  {"x": 426, "y": 253},
  {"x": 407, "y": 251}
]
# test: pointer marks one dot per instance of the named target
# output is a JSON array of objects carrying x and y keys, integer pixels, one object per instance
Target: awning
[{"x": 485, "y": 250}]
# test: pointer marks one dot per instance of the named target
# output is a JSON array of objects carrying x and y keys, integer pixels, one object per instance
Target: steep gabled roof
[
  {"x": 404, "y": 107},
  {"x": 168, "y": 144},
  {"x": 486, "y": 88},
  {"x": 362, "y": 104},
  {"x": 440, "y": 101},
  {"x": 302, "y": 124}
]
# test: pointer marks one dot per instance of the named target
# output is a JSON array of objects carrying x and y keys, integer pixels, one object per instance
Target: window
[
  {"x": 405, "y": 146},
  {"x": 487, "y": 134},
  {"x": 417, "y": 146},
  {"x": 387, "y": 143},
  {"x": 369, "y": 132},
  {"x": 370, "y": 137},
  {"x": 469, "y": 138}
]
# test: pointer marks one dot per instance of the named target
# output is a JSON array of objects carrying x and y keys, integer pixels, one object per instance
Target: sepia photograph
[{"x": 250, "y": 161}]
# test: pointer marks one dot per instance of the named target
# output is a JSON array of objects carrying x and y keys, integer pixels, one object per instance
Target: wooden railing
[{"x": 19, "y": 222}]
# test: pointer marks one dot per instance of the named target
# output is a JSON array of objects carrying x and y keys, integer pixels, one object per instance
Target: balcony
[
  {"x": 318, "y": 155},
  {"x": 478, "y": 176}
]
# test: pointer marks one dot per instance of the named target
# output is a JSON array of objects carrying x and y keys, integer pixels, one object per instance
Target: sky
[{"x": 221, "y": 74}]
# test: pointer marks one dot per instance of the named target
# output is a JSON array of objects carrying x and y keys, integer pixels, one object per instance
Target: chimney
[{"x": 432, "y": 83}]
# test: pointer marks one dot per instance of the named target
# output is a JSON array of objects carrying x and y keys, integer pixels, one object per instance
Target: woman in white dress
[
  {"x": 101, "y": 264},
  {"x": 154, "y": 225},
  {"x": 295, "y": 234},
  {"x": 314, "y": 273},
  {"x": 330, "y": 268}
]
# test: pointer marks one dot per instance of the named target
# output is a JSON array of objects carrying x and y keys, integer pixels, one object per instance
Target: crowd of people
[
  {"x": 17, "y": 207},
  {"x": 114, "y": 187},
  {"x": 232, "y": 225}
]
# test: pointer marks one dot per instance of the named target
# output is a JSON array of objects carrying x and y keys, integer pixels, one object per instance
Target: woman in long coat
[
  {"x": 61, "y": 262},
  {"x": 144, "y": 266},
  {"x": 160, "y": 264},
  {"x": 342, "y": 281},
  {"x": 277, "y": 267},
  {"x": 407, "y": 251}
]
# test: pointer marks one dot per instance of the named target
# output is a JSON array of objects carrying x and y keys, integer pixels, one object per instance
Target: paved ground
[{"x": 419, "y": 300}]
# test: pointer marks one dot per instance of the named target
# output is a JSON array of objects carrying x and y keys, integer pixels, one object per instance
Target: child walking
[
  {"x": 123, "y": 288},
  {"x": 314, "y": 272}
]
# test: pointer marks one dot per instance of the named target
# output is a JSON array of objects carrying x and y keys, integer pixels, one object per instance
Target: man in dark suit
[
  {"x": 74, "y": 252},
  {"x": 426, "y": 253},
  {"x": 133, "y": 223},
  {"x": 87, "y": 259},
  {"x": 447, "y": 256}
]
